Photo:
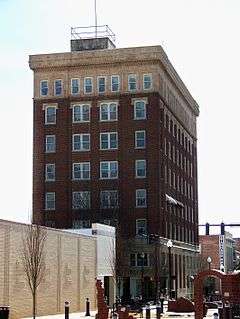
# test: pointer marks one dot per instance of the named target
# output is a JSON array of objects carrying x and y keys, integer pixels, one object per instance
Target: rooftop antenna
[{"x": 95, "y": 10}]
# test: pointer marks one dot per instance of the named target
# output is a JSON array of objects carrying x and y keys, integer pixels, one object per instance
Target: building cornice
[{"x": 122, "y": 56}]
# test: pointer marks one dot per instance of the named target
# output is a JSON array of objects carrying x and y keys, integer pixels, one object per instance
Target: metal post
[
  {"x": 148, "y": 312},
  {"x": 170, "y": 272},
  {"x": 142, "y": 276},
  {"x": 159, "y": 310},
  {"x": 161, "y": 302},
  {"x": 95, "y": 9},
  {"x": 66, "y": 310},
  {"x": 87, "y": 308}
]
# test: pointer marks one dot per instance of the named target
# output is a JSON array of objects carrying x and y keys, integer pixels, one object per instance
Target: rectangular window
[
  {"x": 109, "y": 170},
  {"x": 50, "y": 201},
  {"x": 108, "y": 141},
  {"x": 142, "y": 260},
  {"x": 140, "y": 168},
  {"x": 141, "y": 227},
  {"x": 140, "y": 139},
  {"x": 81, "y": 142},
  {"x": 147, "y": 81},
  {"x": 141, "y": 198},
  {"x": 44, "y": 88},
  {"x": 75, "y": 86},
  {"x": 50, "y": 172},
  {"x": 139, "y": 110},
  {"x": 50, "y": 146},
  {"x": 77, "y": 223},
  {"x": 88, "y": 85},
  {"x": 58, "y": 87},
  {"x": 101, "y": 84},
  {"x": 81, "y": 200},
  {"x": 81, "y": 171},
  {"x": 50, "y": 115},
  {"x": 81, "y": 113},
  {"x": 133, "y": 260},
  {"x": 108, "y": 112},
  {"x": 132, "y": 82},
  {"x": 109, "y": 199},
  {"x": 115, "y": 83}
]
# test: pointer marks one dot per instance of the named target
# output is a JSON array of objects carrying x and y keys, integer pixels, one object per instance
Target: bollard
[
  {"x": 87, "y": 308},
  {"x": 159, "y": 310},
  {"x": 66, "y": 310},
  {"x": 148, "y": 311},
  {"x": 161, "y": 302}
]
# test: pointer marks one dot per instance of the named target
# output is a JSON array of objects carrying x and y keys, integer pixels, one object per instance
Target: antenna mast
[{"x": 95, "y": 10}]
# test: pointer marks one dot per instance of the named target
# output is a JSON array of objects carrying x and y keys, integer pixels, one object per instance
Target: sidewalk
[{"x": 74, "y": 315}]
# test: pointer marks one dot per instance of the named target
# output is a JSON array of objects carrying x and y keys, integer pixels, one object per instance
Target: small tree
[{"x": 33, "y": 258}]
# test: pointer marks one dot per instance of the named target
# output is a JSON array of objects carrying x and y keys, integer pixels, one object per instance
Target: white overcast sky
[{"x": 200, "y": 37}]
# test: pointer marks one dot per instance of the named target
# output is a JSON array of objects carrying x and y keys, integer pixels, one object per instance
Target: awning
[{"x": 173, "y": 201}]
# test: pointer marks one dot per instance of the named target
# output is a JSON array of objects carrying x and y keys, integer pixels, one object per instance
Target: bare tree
[{"x": 33, "y": 258}]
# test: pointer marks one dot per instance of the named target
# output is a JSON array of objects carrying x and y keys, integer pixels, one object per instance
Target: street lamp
[
  {"x": 142, "y": 264},
  {"x": 209, "y": 260},
  {"x": 169, "y": 246}
]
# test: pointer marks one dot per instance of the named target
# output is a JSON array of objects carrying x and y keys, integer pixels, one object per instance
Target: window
[
  {"x": 108, "y": 141},
  {"x": 139, "y": 110},
  {"x": 50, "y": 146},
  {"x": 101, "y": 84},
  {"x": 81, "y": 142},
  {"x": 139, "y": 260},
  {"x": 50, "y": 201},
  {"x": 75, "y": 86},
  {"x": 109, "y": 199},
  {"x": 81, "y": 200},
  {"x": 58, "y": 87},
  {"x": 81, "y": 171},
  {"x": 50, "y": 115},
  {"x": 77, "y": 223},
  {"x": 44, "y": 88},
  {"x": 109, "y": 170},
  {"x": 115, "y": 83},
  {"x": 88, "y": 86},
  {"x": 141, "y": 198},
  {"x": 132, "y": 82},
  {"x": 108, "y": 112},
  {"x": 50, "y": 172},
  {"x": 141, "y": 227},
  {"x": 140, "y": 139},
  {"x": 147, "y": 81},
  {"x": 140, "y": 168},
  {"x": 81, "y": 113}
]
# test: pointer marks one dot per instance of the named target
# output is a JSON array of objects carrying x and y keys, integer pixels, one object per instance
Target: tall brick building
[{"x": 115, "y": 142}]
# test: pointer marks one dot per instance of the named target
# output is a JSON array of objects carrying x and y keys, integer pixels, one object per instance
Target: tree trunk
[{"x": 34, "y": 305}]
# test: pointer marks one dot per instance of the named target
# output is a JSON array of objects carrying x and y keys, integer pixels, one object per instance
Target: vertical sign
[{"x": 221, "y": 251}]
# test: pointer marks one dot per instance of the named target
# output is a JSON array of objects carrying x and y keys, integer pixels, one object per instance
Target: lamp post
[
  {"x": 169, "y": 246},
  {"x": 209, "y": 260},
  {"x": 142, "y": 270}
]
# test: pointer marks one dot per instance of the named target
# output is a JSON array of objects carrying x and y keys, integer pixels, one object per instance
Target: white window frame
[
  {"x": 145, "y": 191},
  {"x": 89, "y": 200},
  {"x": 81, "y": 178},
  {"x": 136, "y": 168},
  {"x": 78, "y": 81},
  {"x": 108, "y": 191},
  {"x": 81, "y": 105},
  {"x": 151, "y": 84},
  {"x": 46, "y": 137},
  {"x": 105, "y": 84},
  {"x": 109, "y": 139},
  {"x": 108, "y": 170},
  {"x": 55, "y": 93},
  {"x": 40, "y": 88},
  {"x": 84, "y": 84},
  {"x": 135, "y": 110},
  {"x": 144, "y": 133},
  {"x": 108, "y": 111},
  {"x": 47, "y": 179},
  {"x": 46, "y": 201},
  {"x": 119, "y": 85},
  {"x": 46, "y": 115},
  {"x": 81, "y": 138},
  {"x": 138, "y": 228},
  {"x": 129, "y": 86}
]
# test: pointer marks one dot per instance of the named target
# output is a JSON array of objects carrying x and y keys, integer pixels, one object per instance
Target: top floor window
[
  {"x": 147, "y": 81},
  {"x": 44, "y": 88},
  {"x": 88, "y": 85},
  {"x": 108, "y": 111},
  {"x": 132, "y": 82},
  {"x": 115, "y": 83},
  {"x": 75, "y": 86},
  {"x": 101, "y": 84},
  {"x": 81, "y": 113},
  {"x": 58, "y": 87},
  {"x": 50, "y": 115},
  {"x": 140, "y": 110}
]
